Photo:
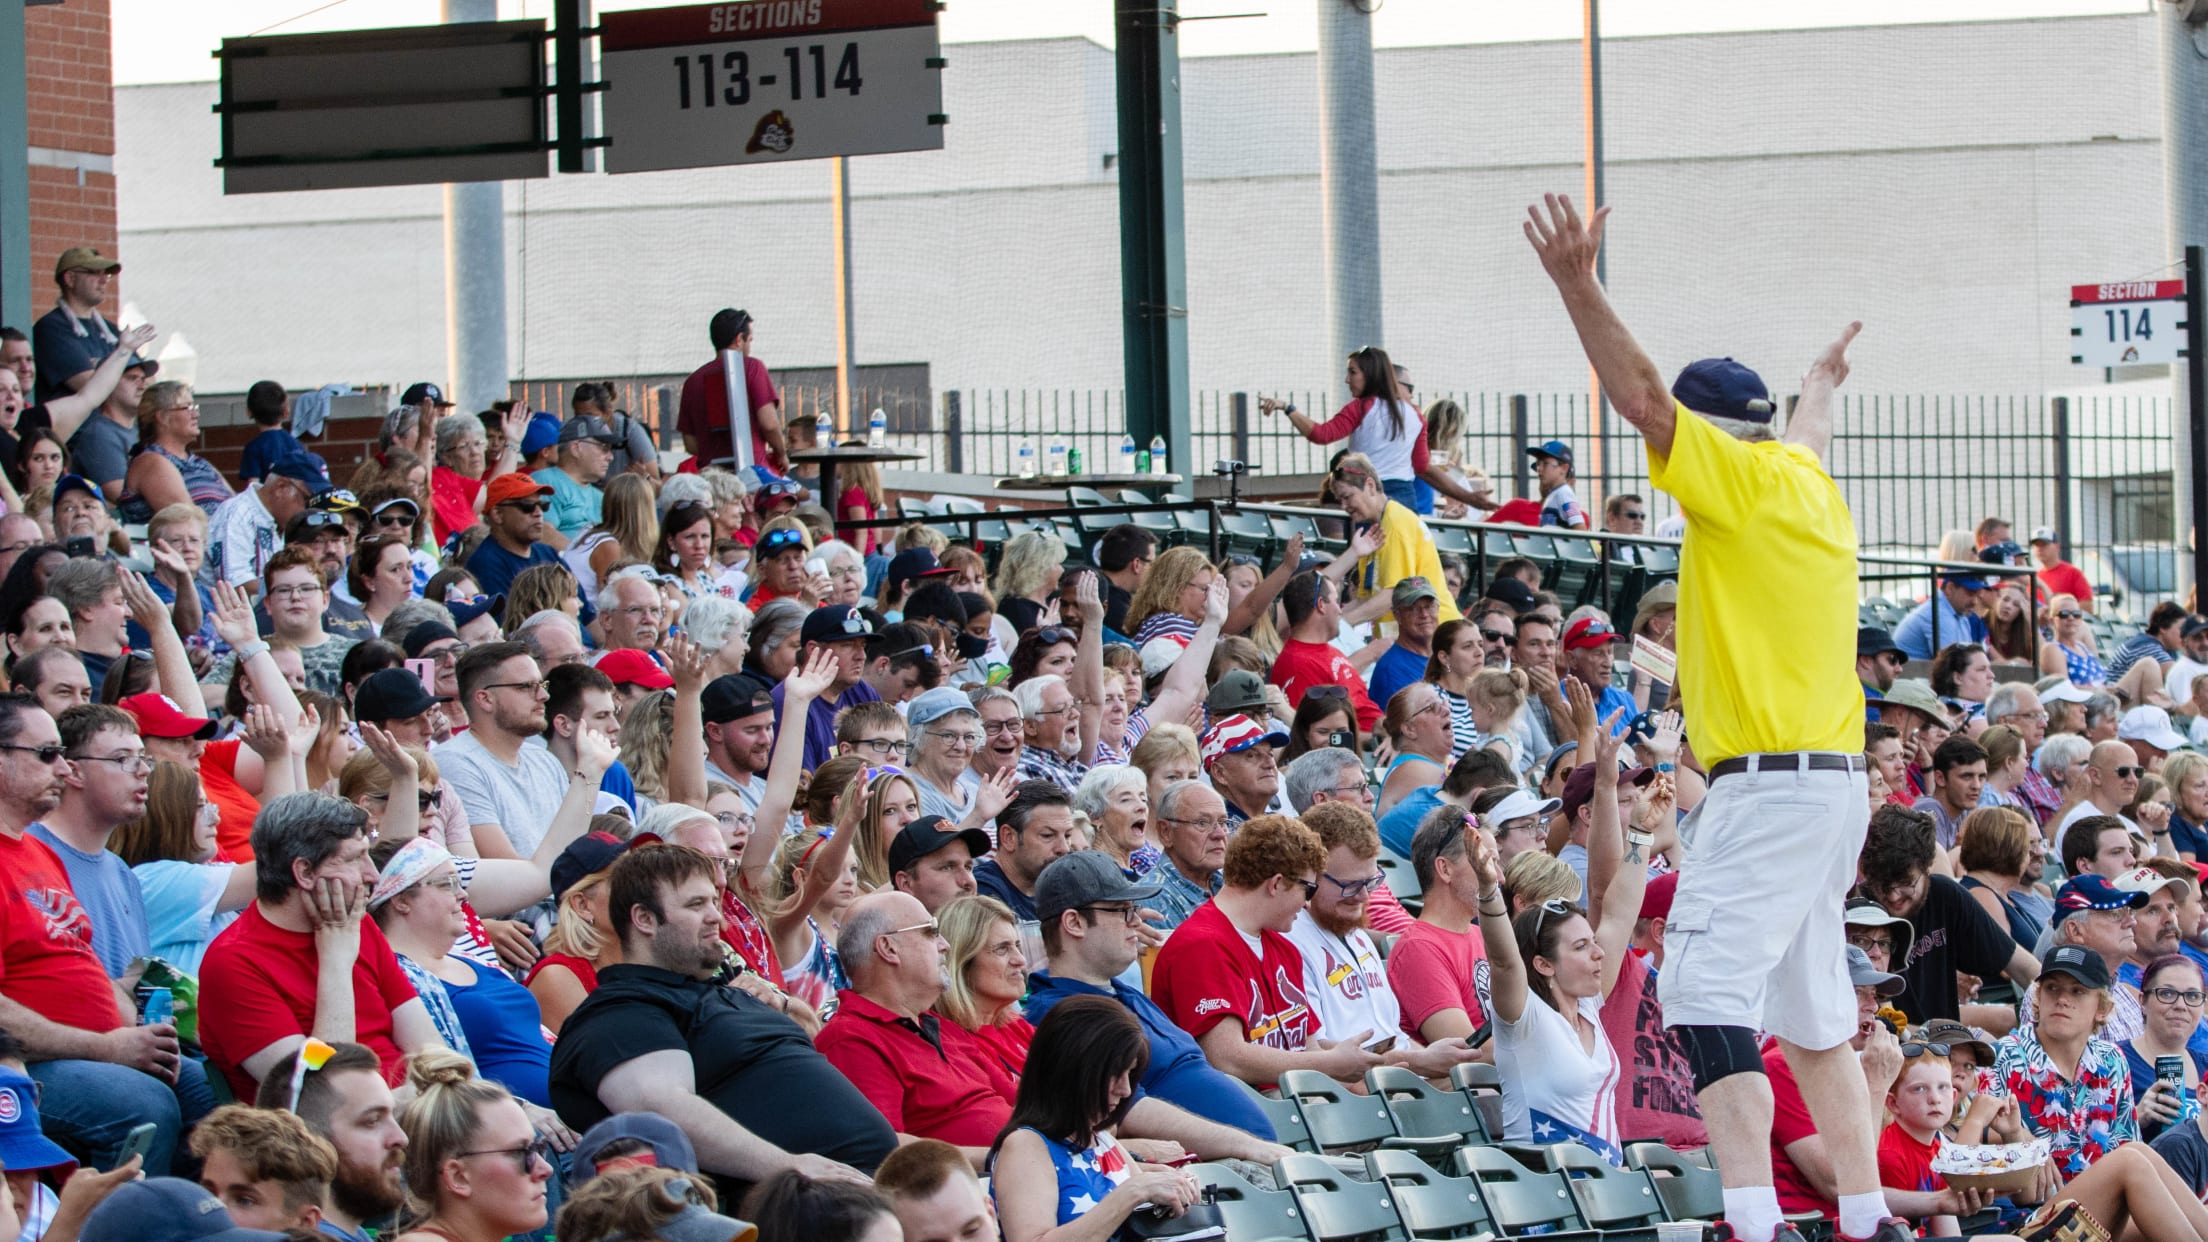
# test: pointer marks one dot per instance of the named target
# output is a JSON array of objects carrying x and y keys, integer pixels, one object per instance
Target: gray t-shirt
[
  {"x": 100, "y": 450},
  {"x": 521, "y": 799},
  {"x": 934, "y": 802},
  {"x": 109, "y": 892},
  {"x": 2183, "y": 1148}
]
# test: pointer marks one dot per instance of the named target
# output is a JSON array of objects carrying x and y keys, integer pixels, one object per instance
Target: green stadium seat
[
  {"x": 1431, "y": 1204},
  {"x": 1337, "y": 1207},
  {"x": 1251, "y": 1211}
]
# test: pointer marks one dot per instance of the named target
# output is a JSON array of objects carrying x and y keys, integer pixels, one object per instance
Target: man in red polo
[
  {"x": 916, "y": 1068},
  {"x": 702, "y": 418}
]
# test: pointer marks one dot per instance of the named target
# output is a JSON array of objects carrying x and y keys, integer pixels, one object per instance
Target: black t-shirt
[
  {"x": 1953, "y": 932},
  {"x": 1116, "y": 599},
  {"x": 752, "y": 1063},
  {"x": 1024, "y": 614}
]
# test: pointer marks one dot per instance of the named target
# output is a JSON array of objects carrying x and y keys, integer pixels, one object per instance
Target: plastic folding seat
[
  {"x": 1336, "y": 1207},
  {"x": 1250, "y": 1211},
  {"x": 1432, "y": 1204}
]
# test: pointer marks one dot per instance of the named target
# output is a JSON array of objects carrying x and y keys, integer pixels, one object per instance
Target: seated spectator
[
  {"x": 54, "y": 676},
  {"x": 1951, "y": 931},
  {"x": 1657, "y": 1095},
  {"x": 722, "y": 832},
  {"x": 2086, "y": 1111},
  {"x": 1921, "y": 1102},
  {"x": 303, "y": 936},
  {"x": 2146, "y": 729},
  {"x": 104, "y": 787},
  {"x": 1576, "y": 809},
  {"x": 793, "y": 1205},
  {"x": 2098, "y": 845},
  {"x": 2156, "y": 644},
  {"x": 1439, "y": 970},
  {"x": 2101, "y": 918},
  {"x": 933, "y": 861},
  {"x": 1057, "y": 1160},
  {"x": 887, "y": 802},
  {"x": 1958, "y": 601},
  {"x": 1958, "y": 778},
  {"x": 2169, "y": 986},
  {"x": 2109, "y": 780},
  {"x": 936, "y": 1196},
  {"x": 1417, "y": 607},
  {"x": 872, "y": 731},
  {"x": 1116, "y": 799},
  {"x": 1344, "y": 976},
  {"x": 1052, "y": 730},
  {"x": 517, "y": 796},
  {"x": 580, "y": 943},
  {"x": 106, "y": 1073},
  {"x": 513, "y": 509},
  {"x": 1417, "y": 726},
  {"x": 347, "y": 1103},
  {"x": 325, "y": 534},
  {"x": 190, "y": 896},
  {"x": 644, "y": 1202},
  {"x": 1475, "y": 773},
  {"x": 92, "y": 593},
  {"x": 1308, "y": 661},
  {"x": 246, "y": 530},
  {"x": 1230, "y": 976},
  {"x": 1192, "y": 834},
  {"x": 901, "y": 662},
  {"x": 1090, "y": 911},
  {"x": 168, "y": 1208},
  {"x": 984, "y": 980},
  {"x": 265, "y": 1166},
  {"x": 1801, "y": 1167},
  {"x": 475, "y": 1163},
  {"x": 631, "y": 617},
  {"x": 1033, "y": 830},
  {"x": 1998, "y": 852},
  {"x": 842, "y": 631},
  {"x": 1239, "y": 759},
  {"x": 479, "y": 1010},
  {"x": 946, "y": 731},
  {"x": 659, "y": 1036}
]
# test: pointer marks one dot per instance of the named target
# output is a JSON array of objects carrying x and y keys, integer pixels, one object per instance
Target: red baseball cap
[
  {"x": 627, "y": 666},
  {"x": 511, "y": 487},
  {"x": 1656, "y": 898},
  {"x": 1590, "y": 632},
  {"x": 158, "y": 715}
]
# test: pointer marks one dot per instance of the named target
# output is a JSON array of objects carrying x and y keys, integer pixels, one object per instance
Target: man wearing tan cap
[{"x": 69, "y": 340}]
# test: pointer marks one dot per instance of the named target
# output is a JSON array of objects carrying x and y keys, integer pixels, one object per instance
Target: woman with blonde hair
[
  {"x": 627, "y": 530},
  {"x": 582, "y": 940},
  {"x": 985, "y": 975},
  {"x": 541, "y": 588},
  {"x": 1169, "y": 602},
  {"x": 2186, "y": 773},
  {"x": 647, "y": 731},
  {"x": 862, "y": 500},
  {"x": 892, "y": 801},
  {"x": 475, "y": 1169},
  {"x": 1537, "y": 876},
  {"x": 1027, "y": 577},
  {"x": 2072, "y": 652},
  {"x": 333, "y": 743},
  {"x": 166, "y": 471},
  {"x": 1167, "y": 755}
]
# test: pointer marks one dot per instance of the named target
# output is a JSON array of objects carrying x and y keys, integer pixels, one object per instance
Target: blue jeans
[
  {"x": 90, "y": 1107},
  {"x": 1402, "y": 492}
]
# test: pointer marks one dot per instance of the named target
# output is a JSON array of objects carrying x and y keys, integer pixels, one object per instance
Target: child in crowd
[{"x": 1921, "y": 1103}]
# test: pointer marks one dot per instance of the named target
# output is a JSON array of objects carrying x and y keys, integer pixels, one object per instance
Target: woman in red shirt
[{"x": 988, "y": 975}]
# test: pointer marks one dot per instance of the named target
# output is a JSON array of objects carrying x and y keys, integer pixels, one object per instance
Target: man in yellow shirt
[
  {"x": 1406, "y": 549},
  {"x": 1767, "y": 601}
]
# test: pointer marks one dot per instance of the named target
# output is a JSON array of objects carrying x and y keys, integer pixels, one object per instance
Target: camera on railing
[{"x": 1227, "y": 468}]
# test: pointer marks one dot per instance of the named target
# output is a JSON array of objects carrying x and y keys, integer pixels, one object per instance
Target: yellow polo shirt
[
  {"x": 1767, "y": 596},
  {"x": 1408, "y": 552}
]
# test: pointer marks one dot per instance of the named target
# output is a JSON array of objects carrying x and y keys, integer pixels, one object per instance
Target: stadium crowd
[{"x": 537, "y": 827}]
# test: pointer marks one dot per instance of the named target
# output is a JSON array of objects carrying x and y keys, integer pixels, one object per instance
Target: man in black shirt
[
  {"x": 1952, "y": 931},
  {"x": 658, "y": 1036},
  {"x": 1123, "y": 554}
]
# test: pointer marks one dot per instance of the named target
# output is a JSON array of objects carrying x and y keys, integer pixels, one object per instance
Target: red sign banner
[{"x": 633, "y": 29}]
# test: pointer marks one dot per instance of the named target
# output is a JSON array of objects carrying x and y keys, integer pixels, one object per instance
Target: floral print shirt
[{"x": 2086, "y": 1117}]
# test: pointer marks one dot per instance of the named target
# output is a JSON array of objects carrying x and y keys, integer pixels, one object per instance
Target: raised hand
[
  {"x": 131, "y": 340},
  {"x": 1663, "y": 742},
  {"x": 306, "y": 730},
  {"x": 1367, "y": 540},
  {"x": 169, "y": 565},
  {"x": 1608, "y": 739},
  {"x": 1580, "y": 704},
  {"x": 389, "y": 753},
  {"x": 1831, "y": 366},
  {"x": 1566, "y": 246},
  {"x": 994, "y": 793},
  {"x": 1291, "y": 553},
  {"x": 812, "y": 680},
  {"x": 594, "y": 752},
  {"x": 1486, "y": 862},
  {"x": 685, "y": 663},
  {"x": 234, "y": 623},
  {"x": 1215, "y": 601},
  {"x": 265, "y": 735},
  {"x": 145, "y": 607},
  {"x": 516, "y": 425},
  {"x": 1086, "y": 600}
]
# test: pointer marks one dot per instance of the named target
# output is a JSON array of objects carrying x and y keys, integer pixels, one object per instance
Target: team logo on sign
[{"x": 773, "y": 133}]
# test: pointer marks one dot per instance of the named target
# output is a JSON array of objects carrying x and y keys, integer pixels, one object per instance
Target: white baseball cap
[
  {"x": 2151, "y": 725},
  {"x": 1517, "y": 806}
]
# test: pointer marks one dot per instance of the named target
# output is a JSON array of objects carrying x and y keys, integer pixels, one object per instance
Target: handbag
[{"x": 1202, "y": 1222}]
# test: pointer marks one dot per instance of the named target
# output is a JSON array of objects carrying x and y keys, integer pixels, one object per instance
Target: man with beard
[
  {"x": 346, "y": 1101},
  {"x": 104, "y": 788},
  {"x": 631, "y": 616},
  {"x": 739, "y": 735},
  {"x": 659, "y": 1036},
  {"x": 513, "y": 508},
  {"x": 514, "y": 793},
  {"x": 111, "y": 1073}
]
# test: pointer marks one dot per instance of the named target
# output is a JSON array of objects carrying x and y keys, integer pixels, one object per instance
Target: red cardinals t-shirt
[
  {"x": 1207, "y": 972},
  {"x": 265, "y": 977},
  {"x": 1302, "y": 667},
  {"x": 46, "y": 959}
]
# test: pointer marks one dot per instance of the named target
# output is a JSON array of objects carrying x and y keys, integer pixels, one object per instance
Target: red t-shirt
[
  {"x": 451, "y": 502},
  {"x": 1001, "y": 1051},
  {"x": 46, "y": 960},
  {"x": 1431, "y": 969},
  {"x": 2064, "y": 578},
  {"x": 936, "y": 1092},
  {"x": 218, "y": 776},
  {"x": 1206, "y": 973},
  {"x": 864, "y": 538},
  {"x": 1656, "y": 1098},
  {"x": 703, "y": 414},
  {"x": 265, "y": 979},
  {"x": 1790, "y": 1123},
  {"x": 1906, "y": 1164},
  {"x": 1302, "y": 667}
]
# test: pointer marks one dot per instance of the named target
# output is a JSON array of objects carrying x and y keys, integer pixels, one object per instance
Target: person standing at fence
[
  {"x": 1381, "y": 423},
  {"x": 703, "y": 416},
  {"x": 1767, "y": 596}
]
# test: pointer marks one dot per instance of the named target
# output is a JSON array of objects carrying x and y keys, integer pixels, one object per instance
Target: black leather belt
[{"x": 1790, "y": 761}]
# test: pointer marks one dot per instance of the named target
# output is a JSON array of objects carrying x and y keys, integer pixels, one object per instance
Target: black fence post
[
  {"x": 1241, "y": 430},
  {"x": 665, "y": 403},
  {"x": 954, "y": 433},
  {"x": 2060, "y": 409},
  {"x": 1520, "y": 437}
]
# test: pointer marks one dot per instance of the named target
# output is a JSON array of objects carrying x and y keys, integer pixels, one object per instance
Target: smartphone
[
  {"x": 1480, "y": 1036},
  {"x": 1341, "y": 738},
  {"x": 136, "y": 1143},
  {"x": 1381, "y": 1047},
  {"x": 81, "y": 546},
  {"x": 1183, "y": 1160},
  {"x": 425, "y": 671}
]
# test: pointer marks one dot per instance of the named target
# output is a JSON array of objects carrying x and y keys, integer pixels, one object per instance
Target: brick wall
[{"x": 71, "y": 87}]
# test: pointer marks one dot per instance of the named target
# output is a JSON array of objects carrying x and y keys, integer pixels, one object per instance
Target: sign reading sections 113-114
[{"x": 764, "y": 81}]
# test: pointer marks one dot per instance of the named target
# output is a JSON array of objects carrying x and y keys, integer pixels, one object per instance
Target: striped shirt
[{"x": 1466, "y": 733}]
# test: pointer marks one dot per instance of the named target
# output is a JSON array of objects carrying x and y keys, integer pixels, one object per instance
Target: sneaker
[{"x": 1891, "y": 1229}]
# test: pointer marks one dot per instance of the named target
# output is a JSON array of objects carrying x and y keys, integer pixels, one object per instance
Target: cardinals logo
[
  {"x": 773, "y": 133},
  {"x": 1290, "y": 1027}
]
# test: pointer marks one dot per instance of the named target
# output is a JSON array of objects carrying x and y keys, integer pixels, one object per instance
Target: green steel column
[
  {"x": 15, "y": 172},
  {"x": 1153, "y": 276}
]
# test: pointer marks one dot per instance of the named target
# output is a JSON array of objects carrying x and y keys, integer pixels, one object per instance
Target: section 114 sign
[
  {"x": 2128, "y": 323},
  {"x": 765, "y": 81}
]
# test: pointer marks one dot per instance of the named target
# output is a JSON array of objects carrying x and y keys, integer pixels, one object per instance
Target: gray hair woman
[
  {"x": 719, "y": 626},
  {"x": 846, "y": 572},
  {"x": 774, "y": 640},
  {"x": 1116, "y": 798}
]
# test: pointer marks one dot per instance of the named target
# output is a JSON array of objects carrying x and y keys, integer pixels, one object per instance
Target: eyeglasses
[
  {"x": 450, "y": 884},
  {"x": 883, "y": 746},
  {"x": 1352, "y": 889},
  {"x": 1208, "y": 825},
  {"x": 294, "y": 592},
  {"x": 539, "y": 686},
  {"x": 320, "y": 520},
  {"x": 1361, "y": 792},
  {"x": 2192, "y": 998},
  {"x": 779, "y": 541},
  {"x": 1242, "y": 558},
  {"x": 1128, "y": 914},
  {"x": 1883, "y": 944},
  {"x": 45, "y": 754},
  {"x": 525, "y": 1157},
  {"x": 956, "y": 737},
  {"x": 929, "y": 927},
  {"x": 1008, "y": 728},
  {"x": 448, "y": 655},
  {"x": 137, "y": 762},
  {"x": 1917, "y": 1048}
]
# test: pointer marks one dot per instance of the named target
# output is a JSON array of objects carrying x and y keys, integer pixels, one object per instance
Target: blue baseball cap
[
  {"x": 22, "y": 1144},
  {"x": 1552, "y": 448},
  {"x": 543, "y": 433},
  {"x": 75, "y": 483},
  {"x": 166, "y": 1209},
  {"x": 2093, "y": 891},
  {"x": 468, "y": 610},
  {"x": 1971, "y": 582},
  {"x": 1722, "y": 388}
]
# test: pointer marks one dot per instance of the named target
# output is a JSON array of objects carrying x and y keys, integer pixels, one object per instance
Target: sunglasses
[
  {"x": 1497, "y": 636},
  {"x": 44, "y": 754},
  {"x": 320, "y": 521},
  {"x": 1555, "y": 906},
  {"x": 1917, "y": 1048},
  {"x": 394, "y": 517},
  {"x": 525, "y": 506},
  {"x": 1052, "y": 635},
  {"x": 1310, "y": 888},
  {"x": 2127, "y": 772},
  {"x": 525, "y": 1157},
  {"x": 2070, "y": 614}
]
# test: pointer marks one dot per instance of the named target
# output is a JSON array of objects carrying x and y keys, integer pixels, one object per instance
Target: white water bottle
[
  {"x": 877, "y": 428},
  {"x": 824, "y": 429},
  {"x": 1057, "y": 459},
  {"x": 1027, "y": 459},
  {"x": 1127, "y": 454},
  {"x": 1157, "y": 455}
]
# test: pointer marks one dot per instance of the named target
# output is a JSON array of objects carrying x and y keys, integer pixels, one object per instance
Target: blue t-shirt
[
  {"x": 620, "y": 784},
  {"x": 66, "y": 347},
  {"x": 494, "y": 569},
  {"x": 270, "y": 447},
  {"x": 1400, "y": 824},
  {"x": 1178, "y": 1072},
  {"x": 505, "y": 1030},
  {"x": 1396, "y": 668},
  {"x": 573, "y": 507},
  {"x": 2188, "y": 838},
  {"x": 109, "y": 893},
  {"x": 100, "y": 451},
  {"x": 820, "y": 719},
  {"x": 991, "y": 881}
]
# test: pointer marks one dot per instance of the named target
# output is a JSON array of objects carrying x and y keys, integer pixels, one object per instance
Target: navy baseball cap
[
  {"x": 425, "y": 391},
  {"x": 300, "y": 468},
  {"x": 75, "y": 483},
  {"x": 1871, "y": 640},
  {"x": 1552, "y": 448},
  {"x": 2092, "y": 891},
  {"x": 2078, "y": 962},
  {"x": 166, "y": 1209},
  {"x": 391, "y": 694},
  {"x": 1971, "y": 582},
  {"x": 1722, "y": 388},
  {"x": 926, "y": 835},
  {"x": 835, "y": 623}
]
